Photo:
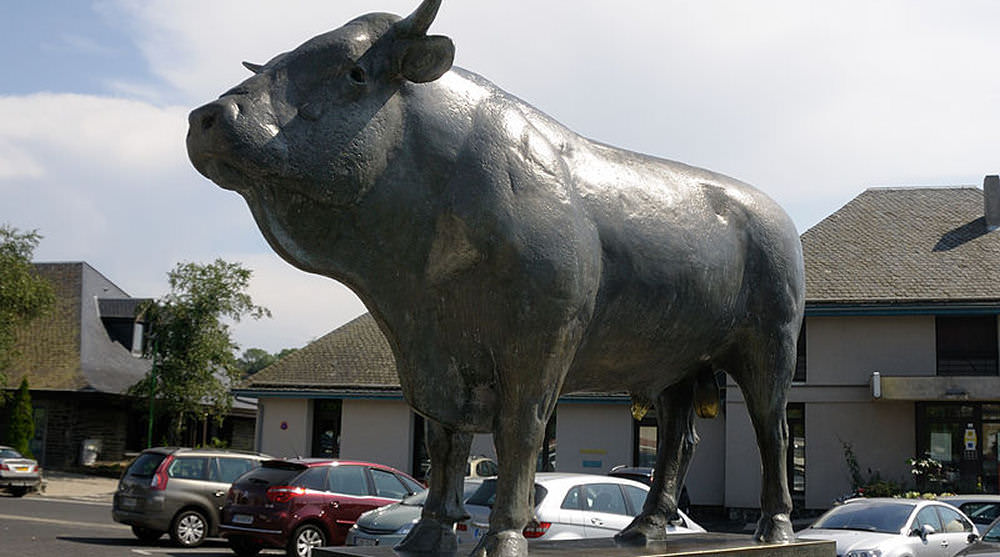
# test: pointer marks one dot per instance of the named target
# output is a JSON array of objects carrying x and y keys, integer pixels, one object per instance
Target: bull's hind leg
[
  {"x": 674, "y": 448},
  {"x": 764, "y": 370},
  {"x": 434, "y": 534}
]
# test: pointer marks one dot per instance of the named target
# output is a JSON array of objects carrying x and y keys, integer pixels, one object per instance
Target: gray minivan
[{"x": 178, "y": 491}]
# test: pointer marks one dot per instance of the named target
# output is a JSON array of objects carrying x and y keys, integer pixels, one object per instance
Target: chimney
[{"x": 991, "y": 196}]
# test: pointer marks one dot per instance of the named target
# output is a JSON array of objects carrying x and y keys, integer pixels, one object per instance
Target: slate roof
[
  {"x": 354, "y": 356},
  {"x": 904, "y": 245},
  {"x": 70, "y": 349}
]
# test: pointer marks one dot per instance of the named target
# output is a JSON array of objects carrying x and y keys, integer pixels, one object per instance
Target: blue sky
[{"x": 811, "y": 102}]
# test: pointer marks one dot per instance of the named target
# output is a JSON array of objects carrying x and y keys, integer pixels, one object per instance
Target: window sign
[{"x": 941, "y": 446}]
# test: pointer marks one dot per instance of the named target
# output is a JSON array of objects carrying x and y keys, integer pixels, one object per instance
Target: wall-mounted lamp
[{"x": 876, "y": 384}]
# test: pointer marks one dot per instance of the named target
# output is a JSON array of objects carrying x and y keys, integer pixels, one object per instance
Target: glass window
[
  {"x": 413, "y": 486},
  {"x": 868, "y": 515},
  {"x": 326, "y": 428},
  {"x": 387, "y": 485},
  {"x": 800, "y": 356},
  {"x": 572, "y": 500},
  {"x": 486, "y": 468},
  {"x": 145, "y": 465},
  {"x": 981, "y": 513},
  {"x": 966, "y": 345},
  {"x": 604, "y": 498},
  {"x": 232, "y": 468},
  {"x": 928, "y": 517},
  {"x": 952, "y": 522},
  {"x": 349, "y": 480},
  {"x": 313, "y": 478},
  {"x": 189, "y": 468},
  {"x": 636, "y": 498},
  {"x": 796, "y": 416}
]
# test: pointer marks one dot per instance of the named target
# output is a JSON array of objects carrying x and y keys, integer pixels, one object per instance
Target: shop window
[
  {"x": 547, "y": 454},
  {"x": 966, "y": 345},
  {"x": 326, "y": 428},
  {"x": 796, "y": 417}
]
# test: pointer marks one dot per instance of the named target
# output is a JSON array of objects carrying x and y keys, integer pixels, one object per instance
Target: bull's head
[{"x": 313, "y": 129}]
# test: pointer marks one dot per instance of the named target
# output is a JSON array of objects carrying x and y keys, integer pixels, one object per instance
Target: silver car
[
  {"x": 894, "y": 528},
  {"x": 178, "y": 491},
  {"x": 18, "y": 474},
  {"x": 388, "y": 525},
  {"x": 572, "y": 506}
]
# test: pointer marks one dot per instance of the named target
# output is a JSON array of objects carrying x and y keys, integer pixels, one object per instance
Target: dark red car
[{"x": 304, "y": 503}]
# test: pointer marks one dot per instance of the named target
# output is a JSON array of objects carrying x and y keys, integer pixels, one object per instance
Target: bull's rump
[{"x": 691, "y": 260}]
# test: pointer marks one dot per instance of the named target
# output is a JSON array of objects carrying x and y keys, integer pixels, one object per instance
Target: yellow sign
[{"x": 970, "y": 439}]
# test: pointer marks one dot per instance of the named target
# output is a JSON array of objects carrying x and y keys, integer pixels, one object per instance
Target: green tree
[
  {"x": 194, "y": 362},
  {"x": 21, "y": 430},
  {"x": 23, "y": 294},
  {"x": 256, "y": 359}
]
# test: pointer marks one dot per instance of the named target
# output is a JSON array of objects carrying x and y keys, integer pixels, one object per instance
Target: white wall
[
  {"x": 378, "y": 431},
  {"x": 592, "y": 438},
  {"x": 846, "y": 350},
  {"x": 706, "y": 478},
  {"x": 291, "y": 440}
]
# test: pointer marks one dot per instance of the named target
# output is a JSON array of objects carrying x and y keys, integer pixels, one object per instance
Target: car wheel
[
  {"x": 244, "y": 547},
  {"x": 146, "y": 535},
  {"x": 306, "y": 537},
  {"x": 189, "y": 529}
]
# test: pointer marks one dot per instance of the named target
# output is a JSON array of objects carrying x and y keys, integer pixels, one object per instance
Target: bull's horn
[
  {"x": 255, "y": 68},
  {"x": 420, "y": 20}
]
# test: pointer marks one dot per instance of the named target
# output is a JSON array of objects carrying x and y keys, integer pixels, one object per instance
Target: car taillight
[
  {"x": 159, "y": 481},
  {"x": 462, "y": 527},
  {"x": 4, "y": 467},
  {"x": 536, "y": 529},
  {"x": 284, "y": 493}
]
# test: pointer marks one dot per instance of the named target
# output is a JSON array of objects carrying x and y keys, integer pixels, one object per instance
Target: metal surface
[{"x": 509, "y": 260}]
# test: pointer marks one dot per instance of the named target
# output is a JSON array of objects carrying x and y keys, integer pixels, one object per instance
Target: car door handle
[
  {"x": 220, "y": 493},
  {"x": 597, "y": 521}
]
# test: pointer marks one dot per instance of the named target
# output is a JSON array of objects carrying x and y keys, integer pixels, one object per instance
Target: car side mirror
[
  {"x": 923, "y": 531},
  {"x": 973, "y": 538}
]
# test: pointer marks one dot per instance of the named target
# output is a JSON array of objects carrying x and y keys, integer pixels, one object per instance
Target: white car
[
  {"x": 571, "y": 507},
  {"x": 880, "y": 527},
  {"x": 18, "y": 474}
]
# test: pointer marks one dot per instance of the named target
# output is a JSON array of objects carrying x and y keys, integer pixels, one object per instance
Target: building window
[
  {"x": 800, "y": 356},
  {"x": 326, "y": 428},
  {"x": 796, "y": 417},
  {"x": 547, "y": 454},
  {"x": 421, "y": 464},
  {"x": 963, "y": 437},
  {"x": 966, "y": 345}
]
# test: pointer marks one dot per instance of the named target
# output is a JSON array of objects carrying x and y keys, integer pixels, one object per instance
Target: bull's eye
[{"x": 357, "y": 75}]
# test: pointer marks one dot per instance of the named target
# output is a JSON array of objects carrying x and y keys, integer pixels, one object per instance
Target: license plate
[
  {"x": 21, "y": 468},
  {"x": 242, "y": 519},
  {"x": 127, "y": 502},
  {"x": 365, "y": 541}
]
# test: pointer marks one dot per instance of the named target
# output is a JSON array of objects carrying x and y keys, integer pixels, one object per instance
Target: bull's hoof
[
  {"x": 774, "y": 529},
  {"x": 428, "y": 537},
  {"x": 644, "y": 529},
  {"x": 509, "y": 543}
]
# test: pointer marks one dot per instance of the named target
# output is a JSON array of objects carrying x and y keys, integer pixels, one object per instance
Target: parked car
[
  {"x": 894, "y": 528},
  {"x": 299, "y": 504},
  {"x": 179, "y": 491},
  {"x": 18, "y": 475},
  {"x": 572, "y": 506},
  {"x": 644, "y": 474},
  {"x": 388, "y": 525},
  {"x": 982, "y": 509},
  {"x": 988, "y": 544}
]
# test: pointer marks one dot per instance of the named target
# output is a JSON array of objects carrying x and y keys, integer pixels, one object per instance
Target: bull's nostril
[{"x": 207, "y": 121}]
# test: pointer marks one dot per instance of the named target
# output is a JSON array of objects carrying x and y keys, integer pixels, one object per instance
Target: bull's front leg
[
  {"x": 518, "y": 437},
  {"x": 434, "y": 534}
]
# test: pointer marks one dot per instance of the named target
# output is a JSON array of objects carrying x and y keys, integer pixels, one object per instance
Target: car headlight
[
  {"x": 864, "y": 553},
  {"x": 405, "y": 529}
]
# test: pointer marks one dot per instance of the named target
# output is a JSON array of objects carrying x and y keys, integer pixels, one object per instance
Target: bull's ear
[{"x": 426, "y": 58}]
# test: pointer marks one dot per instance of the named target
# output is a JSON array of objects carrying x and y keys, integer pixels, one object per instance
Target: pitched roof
[
  {"x": 70, "y": 349},
  {"x": 354, "y": 356},
  {"x": 904, "y": 245}
]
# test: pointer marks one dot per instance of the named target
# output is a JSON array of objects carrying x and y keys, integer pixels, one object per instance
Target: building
[
  {"x": 80, "y": 360},
  {"x": 898, "y": 359}
]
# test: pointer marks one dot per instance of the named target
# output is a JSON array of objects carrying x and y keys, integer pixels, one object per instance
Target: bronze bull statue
[{"x": 509, "y": 260}]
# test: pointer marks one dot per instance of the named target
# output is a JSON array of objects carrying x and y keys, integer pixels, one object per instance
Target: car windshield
[
  {"x": 993, "y": 534},
  {"x": 487, "y": 494},
  {"x": 9, "y": 453},
  {"x": 871, "y": 516}
]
